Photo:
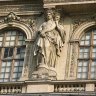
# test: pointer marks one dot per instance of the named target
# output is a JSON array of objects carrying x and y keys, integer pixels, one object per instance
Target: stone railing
[
  {"x": 10, "y": 89},
  {"x": 69, "y": 87},
  {"x": 59, "y": 1}
]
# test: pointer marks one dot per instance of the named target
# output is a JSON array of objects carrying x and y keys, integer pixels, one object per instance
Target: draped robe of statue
[{"x": 49, "y": 43}]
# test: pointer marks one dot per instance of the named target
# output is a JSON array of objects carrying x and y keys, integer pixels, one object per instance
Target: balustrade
[
  {"x": 10, "y": 89},
  {"x": 69, "y": 88}
]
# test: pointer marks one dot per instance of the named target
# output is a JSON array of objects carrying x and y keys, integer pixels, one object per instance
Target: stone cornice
[
  {"x": 22, "y": 9},
  {"x": 54, "y": 3}
]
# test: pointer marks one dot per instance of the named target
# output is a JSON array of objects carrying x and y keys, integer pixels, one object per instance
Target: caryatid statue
[{"x": 49, "y": 42}]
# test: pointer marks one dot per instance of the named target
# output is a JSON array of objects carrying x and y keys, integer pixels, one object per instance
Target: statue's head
[
  {"x": 57, "y": 16},
  {"x": 49, "y": 14}
]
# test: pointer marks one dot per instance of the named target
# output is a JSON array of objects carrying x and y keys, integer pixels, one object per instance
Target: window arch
[
  {"x": 86, "y": 68},
  {"x": 12, "y": 50}
]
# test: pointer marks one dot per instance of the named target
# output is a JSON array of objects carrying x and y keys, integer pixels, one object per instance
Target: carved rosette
[{"x": 74, "y": 58}]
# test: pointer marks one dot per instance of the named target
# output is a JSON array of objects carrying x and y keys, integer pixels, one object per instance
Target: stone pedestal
[
  {"x": 44, "y": 73},
  {"x": 39, "y": 86},
  {"x": 41, "y": 73}
]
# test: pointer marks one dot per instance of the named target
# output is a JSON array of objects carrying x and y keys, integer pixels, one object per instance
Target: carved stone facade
[{"x": 52, "y": 46}]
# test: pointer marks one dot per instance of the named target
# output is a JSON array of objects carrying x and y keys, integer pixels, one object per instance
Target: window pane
[
  {"x": 16, "y": 69},
  {"x": 86, "y": 50},
  {"x": 21, "y": 63},
  {"x": 85, "y": 63},
  {"x": 7, "y": 75},
  {"x": 94, "y": 55},
  {"x": 94, "y": 42},
  {"x": 24, "y": 43},
  {"x": 94, "y": 49},
  {"x": 7, "y": 38},
  {"x": 81, "y": 49},
  {"x": 84, "y": 75},
  {"x": 82, "y": 43},
  {"x": 9, "y": 63},
  {"x": 3, "y": 63},
  {"x": 22, "y": 55},
  {"x": 87, "y": 42},
  {"x": 93, "y": 63},
  {"x": 8, "y": 33},
  {"x": 80, "y": 64},
  {"x": 20, "y": 69},
  {"x": 6, "y": 80},
  {"x": 80, "y": 55},
  {"x": 11, "y": 52},
  {"x": 79, "y": 69},
  {"x": 3, "y": 70},
  {"x": 94, "y": 37},
  {"x": 19, "y": 75},
  {"x": 92, "y": 69},
  {"x": 0, "y": 43},
  {"x": 2, "y": 75},
  {"x": 20, "y": 38},
  {"x": 15, "y": 75},
  {"x": 84, "y": 69},
  {"x": 79, "y": 75},
  {"x": 16, "y": 63},
  {"x": 86, "y": 55},
  {"x": 1, "y": 38},
  {"x": 11, "y": 43},
  {"x": 20, "y": 42},
  {"x": 6, "y": 52},
  {"x": 8, "y": 69},
  {"x": 87, "y": 36},
  {"x": 92, "y": 75},
  {"x": 13, "y": 33},
  {"x": 12, "y": 37},
  {"x": 7, "y": 43}
]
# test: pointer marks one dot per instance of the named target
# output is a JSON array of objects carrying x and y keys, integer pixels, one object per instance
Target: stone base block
[{"x": 40, "y": 88}]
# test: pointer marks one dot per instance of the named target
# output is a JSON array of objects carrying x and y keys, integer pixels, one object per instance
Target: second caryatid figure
[{"x": 48, "y": 44}]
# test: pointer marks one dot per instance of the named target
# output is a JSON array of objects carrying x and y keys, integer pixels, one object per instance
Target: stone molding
[
  {"x": 22, "y": 9},
  {"x": 76, "y": 35}
]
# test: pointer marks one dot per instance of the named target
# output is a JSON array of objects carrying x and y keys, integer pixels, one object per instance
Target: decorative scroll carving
[
  {"x": 11, "y": 17},
  {"x": 74, "y": 59}
]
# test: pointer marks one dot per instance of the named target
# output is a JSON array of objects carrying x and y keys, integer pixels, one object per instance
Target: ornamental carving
[
  {"x": 11, "y": 17},
  {"x": 74, "y": 58},
  {"x": 82, "y": 19}
]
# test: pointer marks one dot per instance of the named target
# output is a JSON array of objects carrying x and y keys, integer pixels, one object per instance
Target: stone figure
[{"x": 49, "y": 42}]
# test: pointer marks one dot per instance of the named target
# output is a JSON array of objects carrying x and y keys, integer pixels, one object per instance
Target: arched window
[
  {"x": 12, "y": 50},
  {"x": 87, "y": 56}
]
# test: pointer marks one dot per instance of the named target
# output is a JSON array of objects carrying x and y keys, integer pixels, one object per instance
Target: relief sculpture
[{"x": 48, "y": 45}]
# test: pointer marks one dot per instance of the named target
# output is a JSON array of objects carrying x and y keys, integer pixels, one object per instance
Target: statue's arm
[
  {"x": 61, "y": 32},
  {"x": 46, "y": 28}
]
